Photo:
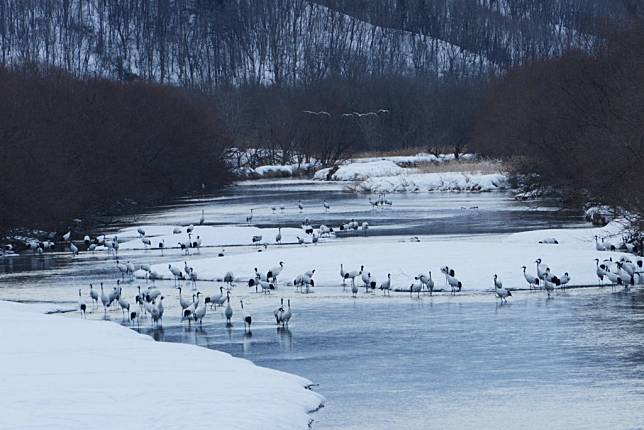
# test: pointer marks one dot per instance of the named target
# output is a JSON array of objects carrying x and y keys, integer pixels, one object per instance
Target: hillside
[{"x": 285, "y": 42}]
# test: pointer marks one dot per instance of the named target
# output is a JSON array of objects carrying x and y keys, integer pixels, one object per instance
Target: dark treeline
[
  {"x": 264, "y": 62},
  {"x": 548, "y": 80},
  {"x": 71, "y": 147},
  {"x": 577, "y": 121},
  {"x": 292, "y": 42},
  {"x": 205, "y": 44},
  {"x": 433, "y": 114},
  {"x": 508, "y": 32}
]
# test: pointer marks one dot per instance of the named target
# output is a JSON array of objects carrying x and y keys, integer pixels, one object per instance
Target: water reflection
[
  {"x": 439, "y": 364},
  {"x": 157, "y": 332},
  {"x": 285, "y": 338}
]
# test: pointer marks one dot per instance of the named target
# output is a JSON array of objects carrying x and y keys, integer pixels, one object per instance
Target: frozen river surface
[{"x": 574, "y": 361}]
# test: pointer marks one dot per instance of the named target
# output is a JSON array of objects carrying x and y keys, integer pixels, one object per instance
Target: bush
[
  {"x": 70, "y": 147},
  {"x": 575, "y": 121}
]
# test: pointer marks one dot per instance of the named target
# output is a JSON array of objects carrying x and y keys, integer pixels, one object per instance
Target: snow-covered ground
[
  {"x": 420, "y": 158},
  {"x": 274, "y": 171},
  {"x": 59, "y": 372},
  {"x": 475, "y": 259},
  {"x": 446, "y": 181},
  {"x": 396, "y": 174},
  {"x": 361, "y": 171},
  {"x": 116, "y": 360}
]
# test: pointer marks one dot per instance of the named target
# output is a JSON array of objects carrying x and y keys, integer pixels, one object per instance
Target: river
[{"x": 573, "y": 361}]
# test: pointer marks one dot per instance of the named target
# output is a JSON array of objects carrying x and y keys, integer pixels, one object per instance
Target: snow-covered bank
[
  {"x": 275, "y": 171},
  {"x": 399, "y": 174},
  {"x": 360, "y": 171},
  {"x": 445, "y": 181},
  {"x": 475, "y": 259},
  {"x": 420, "y": 158},
  {"x": 75, "y": 374}
]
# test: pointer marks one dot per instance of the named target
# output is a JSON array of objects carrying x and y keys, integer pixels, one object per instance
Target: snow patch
[
  {"x": 475, "y": 260},
  {"x": 361, "y": 171},
  {"x": 71, "y": 373},
  {"x": 446, "y": 181}
]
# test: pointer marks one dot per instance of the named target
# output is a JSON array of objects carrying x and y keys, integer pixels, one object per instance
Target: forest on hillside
[
  {"x": 72, "y": 148},
  {"x": 295, "y": 42},
  {"x": 529, "y": 81}
]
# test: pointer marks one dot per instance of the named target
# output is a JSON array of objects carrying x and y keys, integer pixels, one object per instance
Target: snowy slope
[
  {"x": 68, "y": 373},
  {"x": 444, "y": 181},
  {"x": 361, "y": 171},
  {"x": 475, "y": 260}
]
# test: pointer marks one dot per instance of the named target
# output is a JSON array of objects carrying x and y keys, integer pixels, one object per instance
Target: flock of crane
[
  {"x": 111, "y": 245},
  {"x": 194, "y": 307},
  {"x": 423, "y": 282},
  {"x": 150, "y": 305}
]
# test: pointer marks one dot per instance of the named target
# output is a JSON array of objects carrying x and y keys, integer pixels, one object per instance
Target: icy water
[
  {"x": 575, "y": 361},
  {"x": 412, "y": 213}
]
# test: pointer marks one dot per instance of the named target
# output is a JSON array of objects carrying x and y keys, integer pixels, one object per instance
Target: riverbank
[
  {"x": 390, "y": 173},
  {"x": 352, "y": 346},
  {"x": 475, "y": 259},
  {"x": 74, "y": 374}
]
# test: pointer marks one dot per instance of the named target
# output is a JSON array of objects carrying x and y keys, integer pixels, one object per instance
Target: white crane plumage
[
  {"x": 286, "y": 315},
  {"x": 532, "y": 280},
  {"x": 563, "y": 281},
  {"x": 352, "y": 275},
  {"x": 278, "y": 312},
  {"x": 415, "y": 287},
  {"x": 274, "y": 272},
  {"x": 229, "y": 278},
  {"x": 183, "y": 302},
  {"x": 501, "y": 293},
  {"x": 188, "y": 313},
  {"x": 124, "y": 304},
  {"x": 599, "y": 246},
  {"x": 541, "y": 269},
  {"x": 548, "y": 286},
  {"x": 216, "y": 300},
  {"x": 93, "y": 294},
  {"x": 354, "y": 289},
  {"x": 176, "y": 272},
  {"x": 385, "y": 286},
  {"x": 82, "y": 306},
  {"x": 248, "y": 319},
  {"x": 200, "y": 312},
  {"x": 601, "y": 271},
  {"x": 266, "y": 286},
  {"x": 228, "y": 313},
  {"x": 451, "y": 280},
  {"x": 157, "y": 311},
  {"x": 343, "y": 275},
  {"x": 105, "y": 299}
]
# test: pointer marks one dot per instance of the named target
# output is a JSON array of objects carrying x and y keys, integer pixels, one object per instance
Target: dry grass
[
  {"x": 479, "y": 166},
  {"x": 393, "y": 153}
]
